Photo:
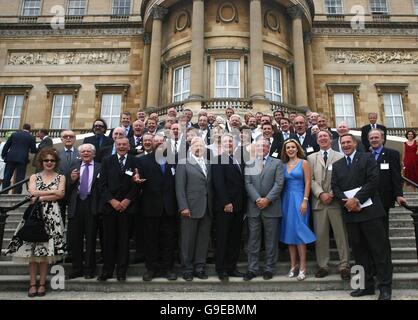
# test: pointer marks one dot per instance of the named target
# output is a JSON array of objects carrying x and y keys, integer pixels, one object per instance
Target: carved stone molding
[
  {"x": 295, "y": 11},
  {"x": 147, "y": 38},
  {"x": 158, "y": 13},
  {"x": 368, "y": 31},
  {"x": 383, "y": 88},
  {"x": 227, "y": 13},
  {"x": 183, "y": 21},
  {"x": 68, "y": 57},
  {"x": 62, "y": 88},
  {"x": 17, "y": 88},
  {"x": 353, "y": 88},
  {"x": 81, "y": 32},
  {"x": 121, "y": 87},
  {"x": 271, "y": 21},
  {"x": 372, "y": 56}
]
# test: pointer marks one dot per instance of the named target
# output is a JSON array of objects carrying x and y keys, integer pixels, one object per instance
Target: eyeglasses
[
  {"x": 68, "y": 137},
  {"x": 49, "y": 160}
]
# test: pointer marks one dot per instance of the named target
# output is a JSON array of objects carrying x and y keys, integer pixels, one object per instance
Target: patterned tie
[
  {"x": 375, "y": 155},
  {"x": 84, "y": 182},
  {"x": 68, "y": 155},
  {"x": 121, "y": 165},
  {"x": 325, "y": 157},
  {"x": 138, "y": 141}
]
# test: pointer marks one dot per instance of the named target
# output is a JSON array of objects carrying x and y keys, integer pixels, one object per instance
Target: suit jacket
[
  {"x": 130, "y": 132},
  {"x": 18, "y": 146},
  {"x": 321, "y": 177},
  {"x": 364, "y": 173},
  {"x": 158, "y": 194},
  {"x": 65, "y": 166},
  {"x": 276, "y": 146},
  {"x": 390, "y": 181},
  {"x": 308, "y": 142},
  {"x": 133, "y": 147},
  {"x": 94, "y": 141},
  {"x": 267, "y": 184},
  {"x": 72, "y": 190},
  {"x": 228, "y": 183},
  {"x": 106, "y": 151},
  {"x": 193, "y": 189},
  {"x": 45, "y": 143},
  {"x": 336, "y": 147},
  {"x": 365, "y": 134},
  {"x": 115, "y": 183}
]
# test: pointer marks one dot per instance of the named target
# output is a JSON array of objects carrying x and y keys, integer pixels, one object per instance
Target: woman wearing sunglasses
[{"x": 49, "y": 187}]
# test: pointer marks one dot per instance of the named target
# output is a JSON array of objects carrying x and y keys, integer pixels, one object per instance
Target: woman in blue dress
[{"x": 295, "y": 207}]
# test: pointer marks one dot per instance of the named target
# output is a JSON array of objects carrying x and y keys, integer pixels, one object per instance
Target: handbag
[{"x": 33, "y": 229}]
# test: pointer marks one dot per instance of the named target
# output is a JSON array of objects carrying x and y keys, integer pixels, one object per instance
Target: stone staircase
[{"x": 15, "y": 276}]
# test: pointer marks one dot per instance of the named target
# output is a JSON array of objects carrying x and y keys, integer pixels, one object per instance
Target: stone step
[
  {"x": 402, "y": 232},
  {"x": 399, "y": 266},
  {"x": 213, "y": 284}
]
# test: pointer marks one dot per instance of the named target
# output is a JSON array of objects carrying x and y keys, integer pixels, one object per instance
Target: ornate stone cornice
[
  {"x": 307, "y": 37},
  {"x": 158, "y": 13},
  {"x": 147, "y": 38},
  {"x": 372, "y": 56},
  {"x": 84, "y": 32},
  {"x": 367, "y": 31},
  {"x": 295, "y": 11}
]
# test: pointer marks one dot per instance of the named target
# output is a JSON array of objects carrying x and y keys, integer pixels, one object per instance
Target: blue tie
[
  {"x": 376, "y": 155},
  {"x": 349, "y": 162},
  {"x": 162, "y": 167}
]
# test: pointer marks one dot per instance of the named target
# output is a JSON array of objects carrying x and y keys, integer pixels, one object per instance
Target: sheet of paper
[{"x": 351, "y": 193}]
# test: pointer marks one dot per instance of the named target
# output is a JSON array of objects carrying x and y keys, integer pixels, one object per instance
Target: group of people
[{"x": 175, "y": 185}]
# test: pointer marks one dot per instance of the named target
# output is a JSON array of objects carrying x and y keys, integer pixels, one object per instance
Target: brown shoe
[
  {"x": 321, "y": 273},
  {"x": 345, "y": 274}
]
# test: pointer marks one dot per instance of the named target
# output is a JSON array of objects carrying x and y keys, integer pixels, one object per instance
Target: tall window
[
  {"x": 76, "y": 7},
  {"x": 416, "y": 6},
  {"x": 393, "y": 110},
  {"x": 273, "y": 83},
  {"x": 378, "y": 6},
  {"x": 227, "y": 79},
  {"x": 181, "y": 83},
  {"x": 334, "y": 6},
  {"x": 61, "y": 111},
  {"x": 31, "y": 8},
  {"x": 111, "y": 109},
  {"x": 13, "y": 105},
  {"x": 344, "y": 109},
  {"x": 121, "y": 7}
]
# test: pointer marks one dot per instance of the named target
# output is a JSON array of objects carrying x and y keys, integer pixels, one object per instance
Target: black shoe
[
  {"x": 362, "y": 292},
  {"x": 89, "y": 276},
  {"x": 201, "y": 275},
  {"x": 249, "y": 276},
  {"x": 385, "y": 294},
  {"x": 188, "y": 276},
  {"x": 148, "y": 276},
  {"x": 236, "y": 274},
  {"x": 321, "y": 273},
  {"x": 75, "y": 274},
  {"x": 267, "y": 275},
  {"x": 223, "y": 276},
  {"x": 121, "y": 278},
  {"x": 170, "y": 275},
  {"x": 104, "y": 277},
  {"x": 345, "y": 274}
]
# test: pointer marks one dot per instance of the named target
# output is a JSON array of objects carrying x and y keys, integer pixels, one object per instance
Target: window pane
[
  {"x": 233, "y": 93},
  {"x": 31, "y": 8},
  {"x": 65, "y": 123},
  {"x": 6, "y": 123},
  {"x": 106, "y": 102},
  {"x": 221, "y": 73},
  {"x": 220, "y": 93},
  {"x": 233, "y": 74},
  {"x": 399, "y": 123}
]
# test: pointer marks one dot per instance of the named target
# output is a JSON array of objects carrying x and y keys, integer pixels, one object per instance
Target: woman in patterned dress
[{"x": 49, "y": 187}]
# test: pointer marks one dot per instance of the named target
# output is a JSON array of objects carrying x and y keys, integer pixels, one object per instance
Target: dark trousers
[
  {"x": 386, "y": 221},
  {"x": 160, "y": 242},
  {"x": 136, "y": 232},
  {"x": 371, "y": 249},
  {"x": 116, "y": 241},
  {"x": 83, "y": 226},
  {"x": 10, "y": 168},
  {"x": 228, "y": 240}
]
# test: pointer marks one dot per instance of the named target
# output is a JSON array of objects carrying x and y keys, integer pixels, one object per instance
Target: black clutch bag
[{"x": 33, "y": 229}]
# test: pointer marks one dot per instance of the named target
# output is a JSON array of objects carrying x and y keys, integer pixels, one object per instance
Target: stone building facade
[{"x": 65, "y": 62}]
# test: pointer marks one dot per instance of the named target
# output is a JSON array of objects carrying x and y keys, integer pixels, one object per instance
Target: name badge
[
  {"x": 173, "y": 171},
  {"x": 330, "y": 167},
  {"x": 384, "y": 166},
  {"x": 275, "y": 154},
  {"x": 309, "y": 150},
  {"x": 98, "y": 175},
  {"x": 138, "y": 148},
  {"x": 129, "y": 173}
]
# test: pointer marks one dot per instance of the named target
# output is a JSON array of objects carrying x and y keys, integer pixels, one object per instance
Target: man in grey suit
[
  {"x": 263, "y": 183},
  {"x": 194, "y": 198},
  {"x": 68, "y": 155}
]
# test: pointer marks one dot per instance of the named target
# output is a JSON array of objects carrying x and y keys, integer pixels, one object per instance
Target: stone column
[
  {"x": 309, "y": 71},
  {"x": 158, "y": 13},
  {"x": 256, "y": 52},
  {"x": 301, "y": 92},
  {"x": 198, "y": 50},
  {"x": 145, "y": 69}
]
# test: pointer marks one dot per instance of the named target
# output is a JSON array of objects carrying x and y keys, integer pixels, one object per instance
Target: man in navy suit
[
  {"x": 372, "y": 125},
  {"x": 16, "y": 155},
  {"x": 305, "y": 139},
  {"x": 99, "y": 140}
]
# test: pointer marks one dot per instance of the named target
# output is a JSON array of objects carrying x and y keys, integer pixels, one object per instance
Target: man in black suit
[
  {"x": 125, "y": 123},
  {"x": 110, "y": 149},
  {"x": 228, "y": 205},
  {"x": 16, "y": 155},
  {"x": 390, "y": 181},
  {"x": 342, "y": 129},
  {"x": 83, "y": 191},
  {"x": 276, "y": 140},
  {"x": 99, "y": 140},
  {"x": 118, "y": 195},
  {"x": 368, "y": 238},
  {"x": 285, "y": 131},
  {"x": 305, "y": 139},
  {"x": 46, "y": 142},
  {"x": 136, "y": 141},
  {"x": 372, "y": 125},
  {"x": 323, "y": 125},
  {"x": 203, "y": 129},
  {"x": 158, "y": 207}
]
